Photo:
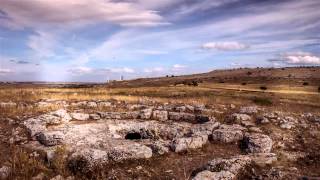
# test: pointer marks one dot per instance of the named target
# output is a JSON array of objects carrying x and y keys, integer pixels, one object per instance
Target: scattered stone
[
  {"x": 146, "y": 113},
  {"x": 262, "y": 159},
  {"x": 249, "y": 110},
  {"x": 80, "y": 116},
  {"x": 5, "y": 172},
  {"x": 176, "y": 116},
  {"x": 94, "y": 116},
  {"x": 160, "y": 115},
  {"x": 228, "y": 133},
  {"x": 34, "y": 126},
  {"x": 238, "y": 118},
  {"x": 223, "y": 168},
  {"x": 160, "y": 148},
  {"x": 258, "y": 143},
  {"x": 50, "y": 138},
  {"x": 104, "y": 104},
  {"x": 40, "y": 176},
  {"x": 184, "y": 144},
  {"x": 262, "y": 120},
  {"x": 92, "y": 104},
  {"x": 255, "y": 130},
  {"x": 58, "y": 177}
]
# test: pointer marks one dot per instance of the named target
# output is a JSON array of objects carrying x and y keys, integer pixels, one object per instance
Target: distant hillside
[{"x": 288, "y": 75}]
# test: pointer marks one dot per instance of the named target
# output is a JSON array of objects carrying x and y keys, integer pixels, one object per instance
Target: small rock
[
  {"x": 228, "y": 133},
  {"x": 40, "y": 176},
  {"x": 223, "y": 169},
  {"x": 249, "y": 110},
  {"x": 160, "y": 115},
  {"x": 176, "y": 116},
  {"x": 184, "y": 144},
  {"x": 258, "y": 143},
  {"x": 92, "y": 104},
  {"x": 146, "y": 113},
  {"x": 94, "y": 116},
  {"x": 50, "y": 138},
  {"x": 58, "y": 177},
  {"x": 80, "y": 116},
  {"x": 5, "y": 172},
  {"x": 262, "y": 159}
]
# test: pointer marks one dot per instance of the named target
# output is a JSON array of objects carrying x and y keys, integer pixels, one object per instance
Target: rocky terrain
[{"x": 265, "y": 144}]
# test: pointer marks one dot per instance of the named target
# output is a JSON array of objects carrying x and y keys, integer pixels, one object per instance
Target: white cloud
[
  {"x": 301, "y": 58},
  {"x": 225, "y": 46},
  {"x": 298, "y": 58},
  {"x": 42, "y": 43},
  {"x": 53, "y": 13},
  {"x": 154, "y": 70},
  {"x": 178, "y": 67},
  {"x": 5, "y": 71},
  {"x": 122, "y": 70},
  {"x": 80, "y": 70}
]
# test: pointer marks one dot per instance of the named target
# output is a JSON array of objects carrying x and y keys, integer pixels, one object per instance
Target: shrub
[
  {"x": 305, "y": 83},
  {"x": 263, "y": 88},
  {"x": 195, "y": 83},
  {"x": 319, "y": 89},
  {"x": 262, "y": 101},
  {"x": 244, "y": 83},
  {"x": 221, "y": 81},
  {"x": 249, "y": 73}
]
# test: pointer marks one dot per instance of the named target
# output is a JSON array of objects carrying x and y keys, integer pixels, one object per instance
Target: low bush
[
  {"x": 263, "y": 88},
  {"x": 305, "y": 83},
  {"x": 262, "y": 101},
  {"x": 243, "y": 83}
]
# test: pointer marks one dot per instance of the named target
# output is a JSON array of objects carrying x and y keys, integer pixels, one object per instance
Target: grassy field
[{"x": 296, "y": 98}]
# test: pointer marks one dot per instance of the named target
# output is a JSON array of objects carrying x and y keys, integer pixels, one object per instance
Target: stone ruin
[{"x": 142, "y": 131}]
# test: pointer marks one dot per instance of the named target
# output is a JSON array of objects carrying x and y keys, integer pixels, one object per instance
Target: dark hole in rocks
[
  {"x": 133, "y": 136},
  {"x": 202, "y": 119}
]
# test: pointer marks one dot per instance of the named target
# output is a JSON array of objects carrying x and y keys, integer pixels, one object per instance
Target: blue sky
[{"x": 96, "y": 40}]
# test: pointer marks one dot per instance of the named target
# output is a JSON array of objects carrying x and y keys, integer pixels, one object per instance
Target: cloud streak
[
  {"x": 225, "y": 46},
  {"x": 35, "y": 13}
]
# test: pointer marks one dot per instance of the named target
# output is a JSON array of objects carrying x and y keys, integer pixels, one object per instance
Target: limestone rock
[
  {"x": 34, "y": 126},
  {"x": 228, "y": 133},
  {"x": 5, "y": 172},
  {"x": 184, "y": 144},
  {"x": 223, "y": 169},
  {"x": 80, "y": 116},
  {"x": 175, "y": 116},
  {"x": 104, "y": 104},
  {"x": 146, "y": 113},
  {"x": 92, "y": 104},
  {"x": 262, "y": 159},
  {"x": 50, "y": 138},
  {"x": 160, "y": 147},
  {"x": 160, "y": 115},
  {"x": 238, "y": 118},
  {"x": 249, "y": 110},
  {"x": 128, "y": 151},
  {"x": 258, "y": 143}
]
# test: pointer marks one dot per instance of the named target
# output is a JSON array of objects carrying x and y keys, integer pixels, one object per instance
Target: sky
[{"x": 100, "y": 40}]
